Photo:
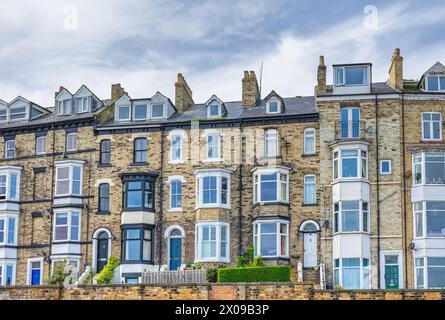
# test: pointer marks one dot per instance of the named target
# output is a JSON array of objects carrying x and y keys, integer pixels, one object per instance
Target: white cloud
[{"x": 137, "y": 44}]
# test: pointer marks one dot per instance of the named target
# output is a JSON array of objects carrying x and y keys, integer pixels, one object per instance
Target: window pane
[
  {"x": 76, "y": 180},
  {"x": 436, "y": 273},
  {"x": 435, "y": 219},
  {"x": 209, "y": 190},
  {"x": 2, "y": 231},
  {"x": 104, "y": 197},
  {"x": 140, "y": 112},
  {"x": 273, "y": 106},
  {"x": 350, "y": 216},
  {"x": 214, "y": 110},
  {"x": 433, "y": 83},
  {"x": 351, "y": 273},
  {"x": 224, "y": 190},
  {"x": 133, "y": 250},
  {"x": 11, "y": 230},
  {"x": 124, "y": 113},
  {"x": 269, "y": 187},
  {"x": 356, "y": 75},
  {"x": 74, "y": 226},
  {"x": 268, "y": 245},
  {"x": 435, "y": 168},
  {"x": 339, "y": 75},
  {"x": 426, "y": 130},
  {"x": 158, "y": 110}
]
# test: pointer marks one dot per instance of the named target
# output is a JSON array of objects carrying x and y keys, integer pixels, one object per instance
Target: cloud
[{"x": 143, "y": 45}]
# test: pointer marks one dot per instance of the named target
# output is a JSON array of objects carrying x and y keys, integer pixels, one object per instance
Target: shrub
[
  {"x": 257, "y": 262},
  {"x": 241, "y": 261},
  {"x": 198, "y": 266},
  {"x": 255, "y": 274},
  {"x": 107, "y": 273},
  {"x": 212, "y": 275},
  {"x": 58, "y": 275},
  {"x": 251, "y": 254}
]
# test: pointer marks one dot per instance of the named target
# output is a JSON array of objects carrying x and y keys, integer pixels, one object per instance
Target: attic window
[
  {"x": 157, "y": 111},
  {"x": 351, "y": 76},
  {"x": 2, "y": 115},
  {"x": 64, "y": 107},
  {"x": 436, "y": 83},
  {"x": 214, "y": 110},
  {"x": 273, "y": 106},
  {"x": 82, "y": 104},
  {"x": 18, "y": 113}
]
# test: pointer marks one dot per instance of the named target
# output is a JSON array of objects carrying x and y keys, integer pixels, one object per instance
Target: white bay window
[
  {"x": 350, "y": 164},
  {"x": 429, "y": 168},
  {"x": 213, "y": 188},
  {"x": 9, "y": 183},
  {"x": 66, "y": 226},
  {"x": 271, "y": 238},
  {"x": 351, "y": 216},
  {"x": 271, "y": 185},
  {"x": 352, "y": 273},
  {"x": 212, "y": 242},
  {"x": 69, "y": 178},
  {"x": 430, "y": 273},
  {"x": 429, "y": 219}
]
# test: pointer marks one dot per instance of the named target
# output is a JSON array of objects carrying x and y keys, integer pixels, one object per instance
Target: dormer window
[
  {"x": 123, "y": 113},
  {"x": 3, "y": 115},
  {"x": 82, "y": 104},
  {"x": 140, "y": 112},
  {"x": 157, "y": 111},
  {"x": 64, "y": 107},
  {"x": 351, "y": 75},
  {"x": 17, "y": 113},
  {"x": 272, "y": 107},
  {"x": 214, "y": 111},
  {"x": 436, "y": 83}
]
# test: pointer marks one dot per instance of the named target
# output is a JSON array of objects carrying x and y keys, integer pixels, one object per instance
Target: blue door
[
  {"x": 175, "y": 253},
  {"x": 35, "y": 277}
]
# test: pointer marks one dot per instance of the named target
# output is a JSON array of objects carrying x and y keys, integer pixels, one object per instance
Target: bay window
[
  {"x": 431, "y": 126},
  {"x": 8, "y": 230},
  {"x": 350, "y": 164},
  {"x": 67, "y": 226},
  {"x": 430, "y": 273},
  {"x": 351, "y": 216},
  {"x": 429, "y": 219},
  {"x": 212, "y": 242},
  {"x": 69, "y": 178},
  {"x": 139, "y": 193},
  {"x": 9, "y": 183},
  {"x": 213, "y": 188},
  {"x": 137, "y": 243},
  {"x": 271, "y": 185},
  {"x": 7, "y": 273},
  {"x": 271, "y": 238},
  {"x": 429, "y": 168},
  {"x": 352, "y": 273},
  {"x": 271, "y": 148}
]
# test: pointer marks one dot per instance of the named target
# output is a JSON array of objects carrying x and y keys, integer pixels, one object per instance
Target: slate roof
[{"x": 376, "y": 88}]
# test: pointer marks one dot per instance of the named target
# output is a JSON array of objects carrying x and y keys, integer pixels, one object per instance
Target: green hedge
[{"x": 255, "y": 274}]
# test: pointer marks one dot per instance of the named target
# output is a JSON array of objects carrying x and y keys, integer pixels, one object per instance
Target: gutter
[{"x": 378, "y": 189}]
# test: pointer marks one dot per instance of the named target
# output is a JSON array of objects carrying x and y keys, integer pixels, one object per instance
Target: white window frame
[
  {"x": 359, "y": 159},
  {"x": 6, "y": 230},
  {"x": 83, "y": 101},
  {"x": 163, "y": 110},
  {"x": 271, "y": 135},
  {"x": 278, "y": 106},
  {"x": 8, "y": 149},
  {"x": 424, "y": 269},
  {"x": 60, "y": 107},
  {"x": 29, "y": 270},
  {"x": 24, "y": 113},
  {"x": 419, "y": 159},
  {"x": 70, "y": 164},
  {"x": 362, "y": 272},
  {"x": 343, "y": 83},
  {"x": 339, "y": 214},
  {"x": 257, "y": 237},
  {"x": 198, "y": 241},
  {"x": 68, "y": 259},
  {"x": 69, "y": 140},
  {"x": 305, "y": 184},
  {"x": 69, "y": 225},
  {"x": 3, "y": 270},
  {"x": 39, "y": 144},
  {"x": 217, "y": 146},
  {"x": 209, "y": 108},
  {"x": 6, "y": 110},
  {"x": 147, "y": 111},
  {"x": 218, "y": 174},
  {"x": 389, "y": 167},
  {"x": 440, "y": 89},
  {"x": 259, "y": 172},
  {"x": 431, "y": 122},
  {"x": 422, "y": 211},
  {"x": 118, "y": 114},
  {"x": 8, "y": 171},
  {"x": 171, "y": 180},
  {"x": 309, "y": 133},
  {"x": 178, "y": 147}
]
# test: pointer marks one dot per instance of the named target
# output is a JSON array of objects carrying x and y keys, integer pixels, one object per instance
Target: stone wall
[{"x": 253, "y": 291}]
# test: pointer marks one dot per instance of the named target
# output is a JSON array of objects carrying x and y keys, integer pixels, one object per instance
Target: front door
[
  {"x": 310, "y": 250},
  {"x": 175, "y": 253},
  {"x": 392, "y": 277},
  {"x": 102, "y": 253}
]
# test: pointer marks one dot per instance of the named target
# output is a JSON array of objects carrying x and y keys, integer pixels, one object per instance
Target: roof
[{"x": 376, "y": 88}]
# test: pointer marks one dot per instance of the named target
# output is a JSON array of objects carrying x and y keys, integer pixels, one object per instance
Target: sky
[{"x": 144, "y": 44}]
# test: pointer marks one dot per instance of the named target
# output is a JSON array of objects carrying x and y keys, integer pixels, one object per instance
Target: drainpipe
[
  {"x": 52, "y": 196},
  {"x": 88, "y": 211},
  {"x": 161, "y": 197},
  {"x": 405, "y": 248},
  {"x": 240, "y": 196},
  {"x": 378, "y": 189}
]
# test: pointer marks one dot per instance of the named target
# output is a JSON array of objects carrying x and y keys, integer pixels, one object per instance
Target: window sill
[
  {"x": 103, "y": 213},
  {"x": 284, "y": 204},
  {"x": 104, "y": 165},
  {"x": 137, "y": 210},
  {"x": 176, "y": 162},
  {"x": 138, "y": 164},
  {"x": 276, "y": 258},
  {"x": 213, "y": 160},
  {"x": 367, "y": 233},
  {"x": 137, "y": 262},
  {"x": 431, "y": 141},
  {"x": 225, "y": 260},
  {"x": 339, "y": 180},
  {"x": 309, "y": 204},
  {"x": 213, "y": 206},
  {"x": 179, "y": 210},
  {"x": 307, "y": 155}
]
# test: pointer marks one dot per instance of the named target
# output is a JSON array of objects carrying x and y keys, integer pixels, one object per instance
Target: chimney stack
[
  {"x": 321, "y": 77},
  {"x": 57, "y": 92},
  {"x": 183, "y": 94},
  {"x": 396, "y": 70},
  {"x": 117, "y": 91},
  {"x": 251, "y": 92}
]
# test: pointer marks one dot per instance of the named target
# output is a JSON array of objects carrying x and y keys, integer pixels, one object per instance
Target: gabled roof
[
  {"x": 91, "y": 92},
  {"x": 436, "y": 68},
  {"x": 63, "y": 91},
  {"x": 220, "y": 102},
  {"x": 273, "y": 94}
]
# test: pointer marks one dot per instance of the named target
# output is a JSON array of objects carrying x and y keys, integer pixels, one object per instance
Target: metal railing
[
  {"x": 349, "y": 130},
  {"x": 175, "y": 277}
]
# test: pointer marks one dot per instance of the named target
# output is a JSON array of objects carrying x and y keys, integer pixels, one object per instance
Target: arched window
[
  {"x": 104, "y": 197},
  {"x": 105, "y": 152},
  {"x": 140, "y": 150},
  {"x": 175, "y": 233}
]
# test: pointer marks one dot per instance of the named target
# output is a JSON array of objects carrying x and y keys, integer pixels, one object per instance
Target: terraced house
[{"x": 346, "y": 186}]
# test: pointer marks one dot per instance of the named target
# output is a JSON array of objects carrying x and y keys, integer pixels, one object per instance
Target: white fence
[{"x": 175, "y": 277}]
